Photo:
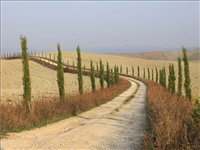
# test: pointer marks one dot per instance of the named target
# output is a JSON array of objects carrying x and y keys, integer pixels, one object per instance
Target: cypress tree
[
  {"x": 101, "y": 72},
  {"x": 138, "y": 71},
  {"x": 170, "y": 78},
  {"x": 152, "y": 75},
  {"x": 160, "y": 76},
  {"x": 173, "y": 78},
  {"x": 92, "y": 77},
  {"x": 108, "y": 75},
  {"x": 156, "y": 75},
  {"x": 187, "y": 83},
  {"x": 60, "y": 74},
  {"x": 79, "y": 70},
  {"x": 132, "y": 71},
  {"x": 112, "y": 76},
  {"x": 148, "y": 74},
  {"x": 116, "y": 74},
  {"x": 127, "y": 70},
  {"x": 121, "y": 69},
  {"x": 144, "y": 73},
  {"x": 179, "y": 77},
  {"x": 26, "y": 73},
  {"x": 164, "y": 77}
]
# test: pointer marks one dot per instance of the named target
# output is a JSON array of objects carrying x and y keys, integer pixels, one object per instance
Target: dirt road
[{"x": 118, "y": 124}]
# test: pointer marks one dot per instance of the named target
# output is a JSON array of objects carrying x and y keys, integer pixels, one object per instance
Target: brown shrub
[
  {"x": 171, "y": 125},
  {"x": 15, "y": 118}
]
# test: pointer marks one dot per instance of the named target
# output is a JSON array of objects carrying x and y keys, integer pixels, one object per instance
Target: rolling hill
[{"x": 163, "y": 55}]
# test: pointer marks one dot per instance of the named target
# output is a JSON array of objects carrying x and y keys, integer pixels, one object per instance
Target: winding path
[{"x": 118, "y": 124}]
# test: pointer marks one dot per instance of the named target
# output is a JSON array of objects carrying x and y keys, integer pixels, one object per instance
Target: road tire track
[{"x": 117, "y": 124}]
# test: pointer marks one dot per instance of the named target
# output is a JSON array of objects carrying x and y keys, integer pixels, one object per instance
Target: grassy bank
[
  {"x": 173, "y": 121},
  {"x": 14, "y": 118}
]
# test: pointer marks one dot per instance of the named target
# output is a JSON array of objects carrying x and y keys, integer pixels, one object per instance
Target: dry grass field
[
  {"x": 44, "y": 84},
  {"x": 143, "y": 63},
  {"x": 164, "y": 55}
]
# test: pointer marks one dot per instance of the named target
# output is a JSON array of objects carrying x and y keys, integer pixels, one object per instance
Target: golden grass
[
  {"x": 14, "y": 117},
  {"x": 43, "y": 80},
  {"x": 171, "y": 125},
  {"x": 143, "y": 63}
]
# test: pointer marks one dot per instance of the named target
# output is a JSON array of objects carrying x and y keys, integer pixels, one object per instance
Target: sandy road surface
[{"x": 118, "y": 124}]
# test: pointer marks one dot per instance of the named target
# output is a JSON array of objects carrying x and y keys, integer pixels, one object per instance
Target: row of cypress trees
[
  {"x": 160, "y": 76},
  {"x": 172, "y": 77},
  {"x": 111, "y": 76}
]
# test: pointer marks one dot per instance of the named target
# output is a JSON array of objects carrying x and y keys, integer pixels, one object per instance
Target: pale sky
[{"x": 100, "y": 26}]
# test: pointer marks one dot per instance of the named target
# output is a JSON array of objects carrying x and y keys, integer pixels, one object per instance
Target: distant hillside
[{"x": 163, "y": 55}]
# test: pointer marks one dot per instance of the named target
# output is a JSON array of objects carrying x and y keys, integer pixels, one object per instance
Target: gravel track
[{"x": 118, "y": 124}]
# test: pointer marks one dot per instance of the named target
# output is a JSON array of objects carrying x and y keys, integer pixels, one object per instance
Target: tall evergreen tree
[
  {"x": 132, "y": 71},
  {"x": 108, "y": 75},
  {"x": 112, "y": 76},
  {"x": 26, "y": 73},
  {"x": 121, "y": 69},
  {"x": 173, "y": 78},
  {"x": 92, "y": 76},
  {"x": 187, "y": 83},
  {"x": 160, "y": 76},
  {"x": 164, "y": 77},
  {"x": 148, "y": 74},
  {"x": 156, "y": 75},
  {"x": 180, "y": 78},
  {"x": 101, "y": 77},
  {"x": 138, "y": 71},
  {"x": 170, "y": 78},
  {"x": 60, "y": 74},
  {"x": 116, "y": 74},
  {"x": 152, "y": 75},
  {"x": 79, "y": 70},
  {"x": 127, "y": 70},
  {"x": 144, "y": 73}
]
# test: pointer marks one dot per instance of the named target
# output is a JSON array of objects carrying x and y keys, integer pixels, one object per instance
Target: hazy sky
[{"x": 100, "y": 26}]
